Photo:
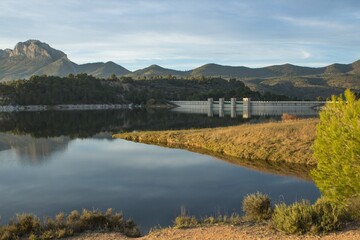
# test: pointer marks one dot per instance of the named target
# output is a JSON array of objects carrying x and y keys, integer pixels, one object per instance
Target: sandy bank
[{"x": 224, "y": 233}]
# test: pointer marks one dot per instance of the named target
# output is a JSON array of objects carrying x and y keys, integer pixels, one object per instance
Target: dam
[{"x": 247, "y": 108}]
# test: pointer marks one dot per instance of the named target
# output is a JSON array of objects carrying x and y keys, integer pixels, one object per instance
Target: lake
[{"x": 66, "y": 160}]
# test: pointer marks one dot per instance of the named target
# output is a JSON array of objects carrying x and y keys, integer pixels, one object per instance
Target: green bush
[
  {"x": 73, "y": 217},
  {"x": 27, "y": 225},
  {"x": 353, "y": 206},
  {"x": 92, "y": 220},
  {"x": 185, "y": 222},
  {"x": 296, "y": 218},
  {"x": 9, "y": 233},
  {"x": 329, "y": 216},
  {"x": 302, "y": 217},
  {"x": 337, "y": 149},
  {"x": 233, "y": 219},
  {"x": 257, "y": 207}
]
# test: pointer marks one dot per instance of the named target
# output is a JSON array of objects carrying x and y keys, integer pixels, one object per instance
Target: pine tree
[{"x": 337, "y": 149}]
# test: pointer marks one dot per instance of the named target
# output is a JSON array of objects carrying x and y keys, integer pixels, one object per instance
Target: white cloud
[
  {"x": 183, "y": 34},
  {"x": 305, "y": 54},
  {"x": 314, "y": 22}
]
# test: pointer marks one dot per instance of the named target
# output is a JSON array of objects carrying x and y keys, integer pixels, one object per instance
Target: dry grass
[
  {"x": 289, "y": 142},
  {"x": 289, "y": 117}
]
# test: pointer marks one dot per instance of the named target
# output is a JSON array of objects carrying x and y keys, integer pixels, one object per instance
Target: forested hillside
[{"x": 86, "y": 89}]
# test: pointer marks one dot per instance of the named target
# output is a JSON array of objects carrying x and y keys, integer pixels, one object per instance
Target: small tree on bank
[{"x": 337, "y": 149}]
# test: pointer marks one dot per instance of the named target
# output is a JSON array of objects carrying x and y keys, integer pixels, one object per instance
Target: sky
[{"x": 184, "y": 34}]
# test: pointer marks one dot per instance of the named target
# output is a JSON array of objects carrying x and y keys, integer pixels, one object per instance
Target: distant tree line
[
  {"x": 86, "y": 89},
  {"x": 51, "y": 90}
]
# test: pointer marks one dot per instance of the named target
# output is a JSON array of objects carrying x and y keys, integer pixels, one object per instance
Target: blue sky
[{"x": 183, "y": 34}]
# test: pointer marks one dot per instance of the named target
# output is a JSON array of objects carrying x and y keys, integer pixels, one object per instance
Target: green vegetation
[
  {"x": 302, "y": 217},
  {"x": 337, "y": 149},
  {"x": 30, "y": 226},
  {"x": 353, "y": 204},
  {"x": 51, "y": 90},
  {"x": 86, "y": 89},
  {"x": 201, "y": 88},
  {"x": 184, "y": 220},
  {"x": 297, "y": 218},
  {"x": 257, "y": 207}
]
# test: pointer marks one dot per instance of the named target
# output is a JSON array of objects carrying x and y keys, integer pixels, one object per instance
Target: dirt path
[{"x": 222, "y": 232}]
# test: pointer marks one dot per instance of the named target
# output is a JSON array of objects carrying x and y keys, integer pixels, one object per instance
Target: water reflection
[
  {"x": 148, "y": 183},
  {"x": 33, "y": 151},
  {"x": 83, "y": 124},
  {"x": 61, "y": 161},
  {"x": 35, "y": 136}
]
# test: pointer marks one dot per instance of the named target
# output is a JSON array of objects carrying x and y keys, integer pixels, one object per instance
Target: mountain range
[
  {"x": 33, "y": 57},
  {"x": 37, "y": 58}
]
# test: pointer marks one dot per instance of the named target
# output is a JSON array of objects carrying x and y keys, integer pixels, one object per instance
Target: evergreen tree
[{"x": 337, "y": 149}]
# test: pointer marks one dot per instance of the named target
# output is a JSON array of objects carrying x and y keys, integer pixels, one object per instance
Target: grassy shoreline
[{"x": 277, "y": 147}]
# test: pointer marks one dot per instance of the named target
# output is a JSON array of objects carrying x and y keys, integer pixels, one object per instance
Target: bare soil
[{"x": 224, "y": 232}]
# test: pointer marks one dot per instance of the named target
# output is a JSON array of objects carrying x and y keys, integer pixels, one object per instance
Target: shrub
[
  {"x": 288, "y": 117},
  {"x": 92, "y": 220},
  {"x": 60, "y": 220},
  {"x": 130, "y": 229},
  {"x": 116, "y": 221},
  {"x": 26, "y": 225},
  {"x": 185, "y": 222},
  {"x": 209, "y": 220},
  {"x": 48, "y": 234},
  {"x": 49, "y": 223},
  {"x": 302, "y": 217},
  {"x": 353, "y": 206},
  {"x": 329, "y": 216},
  {"x": 22, "y": 225},
  {"x": 257, "y": 207},
  {"x": 73, "y": 217},
  {"x": 9, "y": 233},
  {"x": 235, "y": 219},
  {"x": 296, "y": 218},
  {"x": 33, "y": 237}
]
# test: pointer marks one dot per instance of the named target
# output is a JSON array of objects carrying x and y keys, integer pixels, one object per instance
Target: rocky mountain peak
[{"x": 35, "y": 49}]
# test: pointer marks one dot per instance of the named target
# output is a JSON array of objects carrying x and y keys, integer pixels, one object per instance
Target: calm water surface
[{"x": 46, "y": 168}]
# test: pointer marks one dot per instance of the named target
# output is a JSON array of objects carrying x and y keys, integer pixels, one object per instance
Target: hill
[
  {"x": 102, "y": 70},
  {"x": 156, "y": 70},
  {"x": 245, "y": 72},
  {"x": 37, "y": 58}
]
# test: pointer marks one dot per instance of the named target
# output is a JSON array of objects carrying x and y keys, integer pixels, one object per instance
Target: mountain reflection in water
[
  {"x": 53, "y": 162},
  {"x": 35, "y": 136}
]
